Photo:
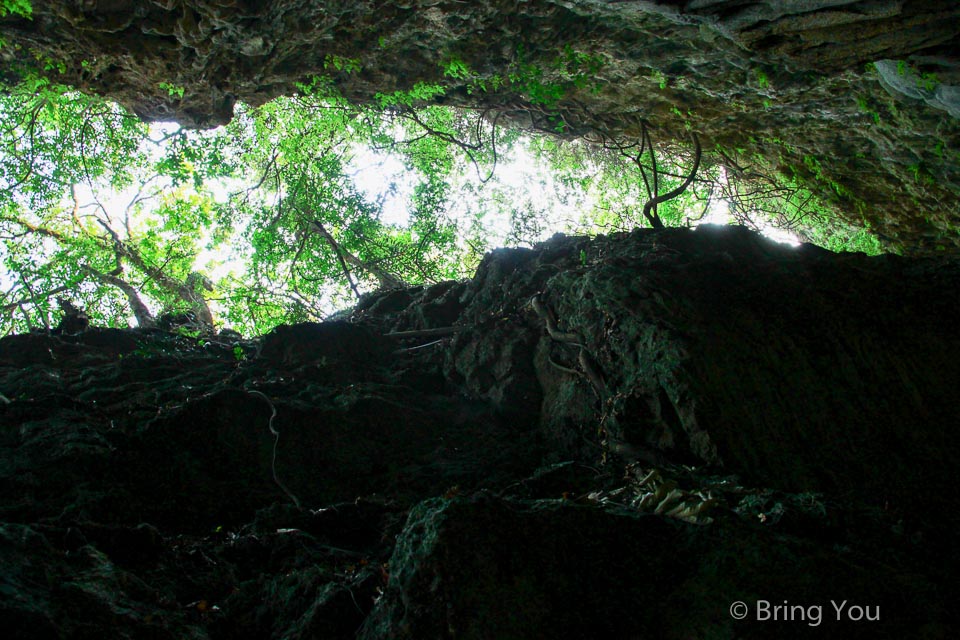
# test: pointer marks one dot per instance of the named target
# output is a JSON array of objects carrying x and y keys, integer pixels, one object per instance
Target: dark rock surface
[
  {"x": 618, "y": 437},
  {"x": 777, "y": 86}
]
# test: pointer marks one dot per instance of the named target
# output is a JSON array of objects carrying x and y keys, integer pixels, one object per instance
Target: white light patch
[
  {"x": 383, "y": 176},
  {"x": 523, "y": 180},
  {"x": 783, "y": 236},
  {"x": 221, "y": 189},
  {"x": 718, "y": 213},
  {"x": 160, "y": 130},
  {"x": 112, "y": 204}
]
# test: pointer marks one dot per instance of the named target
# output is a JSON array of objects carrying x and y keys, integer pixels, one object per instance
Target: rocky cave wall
[
  {"x": 780, "y": 86},
  {"x": 611, "y": 437}
]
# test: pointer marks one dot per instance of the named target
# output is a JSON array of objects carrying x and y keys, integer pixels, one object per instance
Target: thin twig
[
  {"x": 276, "y": 441},
  {"x": 424, "y": 333}
]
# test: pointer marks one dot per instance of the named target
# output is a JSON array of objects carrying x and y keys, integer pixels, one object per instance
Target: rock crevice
[{"x": 708, "y": 416}]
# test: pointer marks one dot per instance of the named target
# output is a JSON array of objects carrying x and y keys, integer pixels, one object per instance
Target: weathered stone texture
[
  {"x": 622, "y": 436},
  {"x": 780, "y": 83}
]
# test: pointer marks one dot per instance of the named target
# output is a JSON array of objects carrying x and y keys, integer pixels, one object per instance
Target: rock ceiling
[{"x": 858, "y": 100}]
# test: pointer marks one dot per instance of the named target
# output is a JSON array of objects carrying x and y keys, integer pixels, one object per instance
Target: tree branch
[
  {"x": 143, "y": 315},
  {"x": 183, "y": 290},
  {"x": 34, "y": 298},
  {"x": 386, "y": 279},
  {"x": 652, "y": 203},
  {"x": 338, "y": 251}
]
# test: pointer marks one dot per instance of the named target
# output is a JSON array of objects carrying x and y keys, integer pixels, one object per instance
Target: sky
[
  {"x": 520, "y": 181},
  {"x": 521, "y": 173}
]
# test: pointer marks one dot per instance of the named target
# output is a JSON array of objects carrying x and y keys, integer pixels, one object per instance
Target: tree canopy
[{"x": 289, "y": 212}]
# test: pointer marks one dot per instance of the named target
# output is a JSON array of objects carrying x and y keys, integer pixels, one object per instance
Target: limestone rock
[
  {"x": 788, "y": 84},
  {"x": 623, "y": 436}
]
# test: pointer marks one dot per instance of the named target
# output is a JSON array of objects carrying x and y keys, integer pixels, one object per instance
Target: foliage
[
  {"x": 266, "y": 220},
  {"x": 609, "y": 189},
  {"x": 542, "y": 86},
  {"x": 307, "y": 237},
  {"x": 620, "y": 177},
  {"x": 21, "y": 8},
  {"x": 172, "y": 89},
  {"x": 347, "y": 65},
  {"x": 762, "y": 81}
]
